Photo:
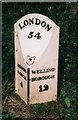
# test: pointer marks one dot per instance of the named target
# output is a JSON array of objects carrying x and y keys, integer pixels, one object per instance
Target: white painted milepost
[{"x": 36, "y": 58}]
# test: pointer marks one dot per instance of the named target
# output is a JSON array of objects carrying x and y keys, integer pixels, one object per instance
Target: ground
[{"x": 16, "y": 107}]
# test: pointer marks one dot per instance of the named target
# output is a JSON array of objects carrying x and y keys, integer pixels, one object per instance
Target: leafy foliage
[
  {"x": 67, "y": 101},
  {"x": 7, "y": 116},
  {"x": 66, "y": 106}
]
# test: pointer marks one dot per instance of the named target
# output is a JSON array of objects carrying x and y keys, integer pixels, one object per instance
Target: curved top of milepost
[
  {"x": 38, "y": 16},
  {"x": 36, "y": 33}
]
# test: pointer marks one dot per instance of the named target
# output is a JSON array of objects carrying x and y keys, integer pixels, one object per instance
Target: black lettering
[
  {"x": 37, "y": 22},
  {"x": 33, "y": 79},
  {"x": 22, "y": 68},
  {"x": 43, "y": 78},
  {"x": 21, "y": 74},
  {"x": 52, "y": 76},
  {"x": 25, "y": 22},
  {"x": 53, "y": 69},
  {"x": 20, "y": 26},
  {"x": 21, "y": 83},
  {"x": 30, "y": 35},
  {"x": 43, "y": 71},
  {"x": 48, "y": 27},
  {"x": 38, "y": 71},
  {"x": 38, "y": 36},
  {"x": 33, "y": 72},
  {"x": 40, "y": 88},
  {"x": 43, "y": 88},
  {"x": 31, "y": 21},
  {"x": 43, "y": 24},
  {"x": 39, "y": 78}
]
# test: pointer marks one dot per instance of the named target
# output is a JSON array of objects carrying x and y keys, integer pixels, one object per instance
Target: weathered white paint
[{"x": 38, "y": 55}]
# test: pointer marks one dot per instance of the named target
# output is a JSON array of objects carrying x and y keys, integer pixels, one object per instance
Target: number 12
[{"x": 43, "y": 88}]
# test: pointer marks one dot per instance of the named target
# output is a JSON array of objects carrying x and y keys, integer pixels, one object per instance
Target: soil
[{"x": 17, "y": 107}]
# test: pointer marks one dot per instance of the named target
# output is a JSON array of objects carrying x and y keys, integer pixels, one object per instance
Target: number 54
[{"x": 31, "y": 35}]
